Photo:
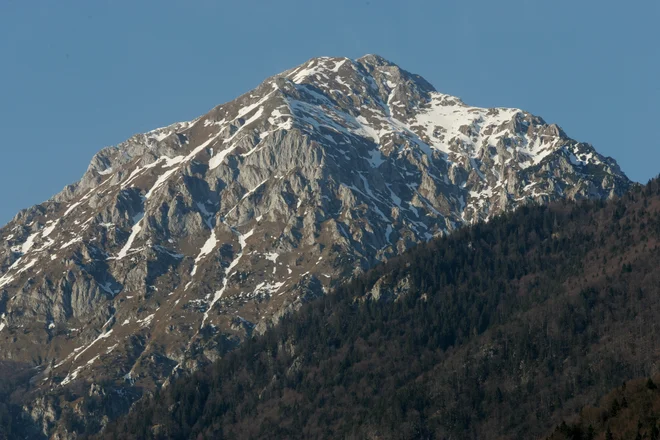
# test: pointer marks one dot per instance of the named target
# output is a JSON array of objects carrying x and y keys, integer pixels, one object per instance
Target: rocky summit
[{"x": 178, "y": 243}]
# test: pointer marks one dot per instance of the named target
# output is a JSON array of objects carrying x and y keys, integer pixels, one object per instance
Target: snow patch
[
  {"x": 268, "y": 288},
  {"x": 99, "y": 338},
  {"x": 217, "y": 160},
  {"x": 48, "y": 230},
  {"x": 135, "y": 230},
  {"x": 228, "y": 272},
  {"x": 146, "y": 321},
  {"x": 208, "y": 247},
  {"x": 375, "y": 158},
  {"x": 71, "y": 242}
]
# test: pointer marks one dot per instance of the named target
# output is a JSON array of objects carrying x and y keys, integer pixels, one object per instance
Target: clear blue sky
[{"x": 76, "y": 76}]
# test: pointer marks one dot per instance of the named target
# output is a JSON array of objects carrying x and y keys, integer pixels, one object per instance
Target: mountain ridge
[{"x": 180, "y": 242}]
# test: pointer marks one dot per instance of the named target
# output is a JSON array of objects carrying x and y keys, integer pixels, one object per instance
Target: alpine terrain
[
  {"x": 181, "y": 242},
  {"x": 511, "y": 329}
]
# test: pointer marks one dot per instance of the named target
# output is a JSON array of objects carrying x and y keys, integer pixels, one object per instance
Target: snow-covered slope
[{"x": 179, "y": 242}]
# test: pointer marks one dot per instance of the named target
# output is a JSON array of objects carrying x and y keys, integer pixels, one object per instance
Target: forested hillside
[
  {"x": 631, "y": 411},
  {"x": 14, "y": 378},
  {"x": 501, "y": 330}
]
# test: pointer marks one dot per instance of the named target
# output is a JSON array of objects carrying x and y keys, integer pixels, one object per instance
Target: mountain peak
[
  {"x": 186, "y": 239},
  {"x": 375, "y": 60}
]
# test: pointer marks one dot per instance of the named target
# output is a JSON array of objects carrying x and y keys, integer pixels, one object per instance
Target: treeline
[{"x": 503, "y": 330}]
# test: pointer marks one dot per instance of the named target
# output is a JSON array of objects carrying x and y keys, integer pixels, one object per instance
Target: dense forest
[
  {"x": 631, "y": 411},
  {"x": 501, "y": 330},
  {"x": 13, "y": 377}
]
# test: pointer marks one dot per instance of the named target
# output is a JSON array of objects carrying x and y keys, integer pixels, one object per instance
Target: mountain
[
  {"x": 498, "y": 331},
  {"x": 181, "y": 242}
]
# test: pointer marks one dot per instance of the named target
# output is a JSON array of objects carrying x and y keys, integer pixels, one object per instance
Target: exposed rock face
[{"x": 179, "y": 242}]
